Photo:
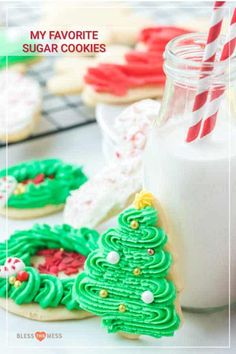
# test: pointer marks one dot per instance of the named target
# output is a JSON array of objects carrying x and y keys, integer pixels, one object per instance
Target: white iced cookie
[
  {"x": 20, "y": 103},
  {"x": 132, "y": 127},
  {"x": 70, "y": 71},
  {"x": 105, "y": 195}
]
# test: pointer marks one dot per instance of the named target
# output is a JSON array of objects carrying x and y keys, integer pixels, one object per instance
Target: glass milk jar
[{"x": 196, "y": 182}]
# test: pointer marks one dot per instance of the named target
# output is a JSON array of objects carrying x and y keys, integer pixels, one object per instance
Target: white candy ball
[
  {"x": 147, "y": 297},
  {"x": 113, "y": 257}
]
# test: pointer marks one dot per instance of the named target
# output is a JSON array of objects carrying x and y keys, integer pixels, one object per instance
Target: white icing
[
  {"x": 133, "y": 126},
  {"x": 11, "y": 267},
  {"x": 147, "y": 297},
  {"x": 111, "y": 189},
  {"x": 7, "y": 187},
  {"x": 113, "y": 257},
  {"x": 19, "y": 101},
  {"x": 107, "y": 191}
]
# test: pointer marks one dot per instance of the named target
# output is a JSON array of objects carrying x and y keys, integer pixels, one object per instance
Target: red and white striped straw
[
  {"x": 204, "y": 81},
  {"x": 216, "y": 96}
]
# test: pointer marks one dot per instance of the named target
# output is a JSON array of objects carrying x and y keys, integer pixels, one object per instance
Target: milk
[{"x": 193, "y": 184}]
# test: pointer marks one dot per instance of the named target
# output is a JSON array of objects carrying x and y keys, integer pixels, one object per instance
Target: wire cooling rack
[{"x": 61, "y": 113}]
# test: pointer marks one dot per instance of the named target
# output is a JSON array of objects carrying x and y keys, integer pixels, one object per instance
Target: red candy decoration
[
  {"x": 39, "y": 178},
  {"x": 22, "y": 275},
  {"x": 58, "y": 260}
]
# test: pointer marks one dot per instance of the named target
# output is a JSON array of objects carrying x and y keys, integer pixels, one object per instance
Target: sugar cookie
[
  {"x": 20, "y": 104},
  {"x": 156, "y": 38},
  {"x": 36, "y": 188},
  {"x": 70, "y": 71},
  {"x": 104, "y": 195},
  {"x": 38, "y": 268},
  {"x": 128, "y": 280},
  {"x": 140, "y": 77}
]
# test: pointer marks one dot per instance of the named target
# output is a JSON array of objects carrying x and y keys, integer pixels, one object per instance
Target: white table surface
[{"x": 199, "y": 330}]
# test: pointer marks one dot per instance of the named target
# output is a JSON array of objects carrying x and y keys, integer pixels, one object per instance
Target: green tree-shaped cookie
[{"x": 125, "y": 279}]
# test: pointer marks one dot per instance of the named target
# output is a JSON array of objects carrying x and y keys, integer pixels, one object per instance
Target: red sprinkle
[
  {"x": 40, "y": 178},
  {"x": 57, "y": 261},
  {"x": 45, "y": 252},
  {"x": 70, "y": 271}
]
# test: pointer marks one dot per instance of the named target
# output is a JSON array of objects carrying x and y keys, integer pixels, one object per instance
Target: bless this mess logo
[{"x": 39, "y": 335}]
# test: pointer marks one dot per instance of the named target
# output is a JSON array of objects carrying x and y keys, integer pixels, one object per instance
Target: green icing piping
[
  {"x": 52, "y": 191},
  {"x": 45, "y": 289},
  {"x": 158, "y": 318}
]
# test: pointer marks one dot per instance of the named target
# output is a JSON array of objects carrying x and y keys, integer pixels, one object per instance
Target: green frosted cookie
[
  {"x": 38, "y": 187},
  {"x": 126, "y": 279},
  {"x": 38, "y": 268}
]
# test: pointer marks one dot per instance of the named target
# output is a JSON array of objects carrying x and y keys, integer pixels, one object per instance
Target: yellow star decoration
[{"x": 143, "y": 199}]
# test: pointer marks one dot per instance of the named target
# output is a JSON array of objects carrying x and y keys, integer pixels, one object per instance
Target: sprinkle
[
  {"x": 151, "y": 251},
  {"x": 103, "y": 293},
  {"x": 12, "y": 280},
  {"x": 137, "y": 271},
  {"x": 134, "y": 224},
  {"x": 17, "y": 284},
  {"x": 122, "y": 308}
]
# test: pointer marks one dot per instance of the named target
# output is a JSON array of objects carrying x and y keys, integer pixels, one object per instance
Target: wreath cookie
[
  {"x": 36, "y": 188},
  {"x": 38, "y": 268},
  {"x": 131, "y": 279}
]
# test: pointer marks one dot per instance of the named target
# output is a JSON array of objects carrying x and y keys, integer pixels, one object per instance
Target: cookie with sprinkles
[
  {"x": 38, "y": 269},
  {"x": 130, "y": 279},
  {"x": 36, "y": 188}
]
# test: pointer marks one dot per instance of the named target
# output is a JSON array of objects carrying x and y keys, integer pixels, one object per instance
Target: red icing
[
  {"x": 38, "y": 179},
  {"x": 60, "y": 261},
  {"x": 156, "y": 38},
  {"x": 141, "y": 68},
  {"x": 118, "y": 79},
  {"x": 22, "y": 275}
]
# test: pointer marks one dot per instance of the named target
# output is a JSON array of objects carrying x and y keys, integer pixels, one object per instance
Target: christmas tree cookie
[
  {"x": 38, "y": 270},
  {"x": 130, "y": 280},
  {"x": 35, "y": 188}
]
